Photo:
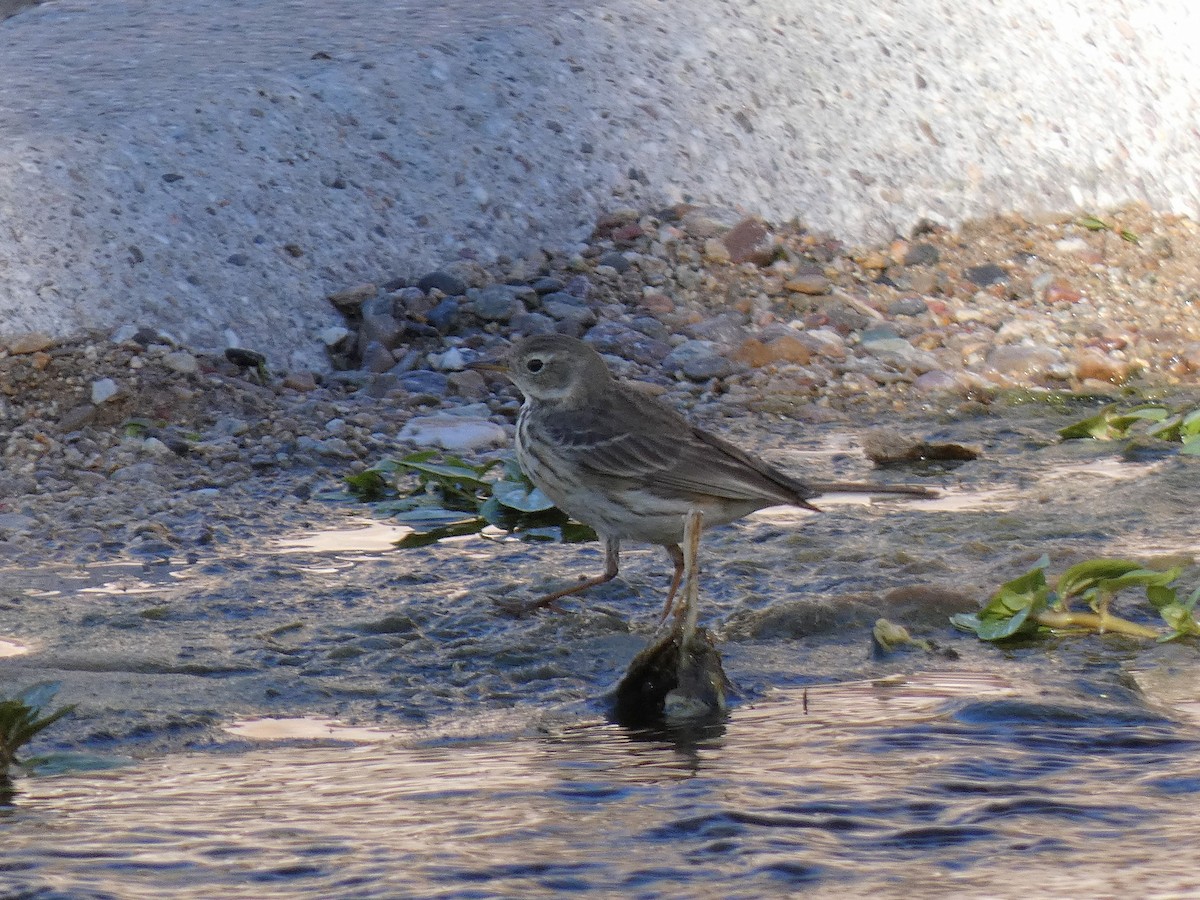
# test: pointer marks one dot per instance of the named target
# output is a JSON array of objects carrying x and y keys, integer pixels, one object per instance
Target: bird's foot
[{"x": 519, "y": 609}]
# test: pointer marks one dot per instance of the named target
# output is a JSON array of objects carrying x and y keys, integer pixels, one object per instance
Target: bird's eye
[{"x": 534, "y": 365}]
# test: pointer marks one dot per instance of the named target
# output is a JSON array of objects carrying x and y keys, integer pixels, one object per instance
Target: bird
[{"x": 616, "y": 458}]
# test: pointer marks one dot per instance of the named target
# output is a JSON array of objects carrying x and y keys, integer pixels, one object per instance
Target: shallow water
[
  {"x": 946, "y": 785},
  {"x": 326, "y": 717}
]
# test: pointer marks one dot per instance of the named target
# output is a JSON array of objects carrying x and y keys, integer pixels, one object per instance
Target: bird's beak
[{"x": 492, "y": 364}]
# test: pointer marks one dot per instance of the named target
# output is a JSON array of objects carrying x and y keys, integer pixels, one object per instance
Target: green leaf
[
  {"x": 1089, "y": 573},
  {"x": 997, "y": 629},
  {"x": 367, "y": 485},
  {"x": 1091, "y": 223},
  {"x": 1191, "y": 447},
  {"x": 1130, "y": 236},
  {"x": 1096, "y": 427},
  {"x": 1008, "y": 612},
  {"x": 521, "y": 496}
]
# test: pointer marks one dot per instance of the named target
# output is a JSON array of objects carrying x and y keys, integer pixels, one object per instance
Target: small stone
[
  {"x": 377, "y": 358},
  {"x": 495, "y": 303},
  {"x": 1024, "y": 361},
  {"x": 615, "y": 260},
  {"x": 350, "y": 299},
  {"x": 715, "y": 250},
  {"x": 182, "y": 362},
  {"x": 936, "y": 381},
  {"x": 569, "y": 312},
  {"x": 872, "y": 260},
  {"x": 448, "y": 284},
  {"x": 986, "y": 274},
  {"x": 812, "y": 284},
  {"x": 468, "y": 384},
  {"x": 32, "y": 342},
  {"x": 1059, "y": 290},
  {"x": 335, "y": 337},
  {"x": 921, "y": 254},
  {"x": 247, "y": 359},
  {"x": 627, "y": 234},
  {"x": 424, "y": 381},
  {"x": 444, "y": 317},
  {"x": 785, "y": 348},
  {"x": 381, "y": 329},
  {"x": 657, "y": 303},
  {"x": 908, "y": 306},
  {"x": 104, "y": 390},
  {"x": 451, "y": 360},
  {"x": 77, "y": 418},
  {"x": 708, "y": 221},
  {"x": 124, "y": 334},
  {"x": 300, "y": 381},
  {"x": 452, "y": 433},
  {"x": 750, "y": 241},
  {"x": 699, "y": 361},
  {"x": 887, "y": 346},
  {"x": 547, "y": 285},
  {"x": 1092, "y": 364}
]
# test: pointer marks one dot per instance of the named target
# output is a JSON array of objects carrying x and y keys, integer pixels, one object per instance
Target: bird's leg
[
  {"x": 612, "y": 553},
  {"x": 676, "y": 554},
  {"x": 693, "y": 523}
]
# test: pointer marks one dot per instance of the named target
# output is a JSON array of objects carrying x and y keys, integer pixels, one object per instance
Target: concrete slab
[{"x": 216, "y": 170}]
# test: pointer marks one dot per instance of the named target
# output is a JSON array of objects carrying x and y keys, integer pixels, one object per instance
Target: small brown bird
[{"x": 619, "y": 460}]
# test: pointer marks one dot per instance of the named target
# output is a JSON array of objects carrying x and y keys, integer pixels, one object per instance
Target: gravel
[{"x": 127, "y": 443}]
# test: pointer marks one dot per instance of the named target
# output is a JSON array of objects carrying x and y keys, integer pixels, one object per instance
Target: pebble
[
  {"x": 699, "y": 361},
  {"x": 808, "y": 284},
  {"x": 423, "y": 381},
  {"x": 1022, "y": 361},
  {"x": 31, "y": 342},
  {"x": 615, "y": 260},
  {"x": 182, "y": 362},
  {"x": 377, "y": 358},
  {"x": 750, "y": 241},
  {"x": 908, "y": 306},
  {"x": 922, "y": 254},
  {"x": 454, "y": 433},
  {"x": 986, "y": 274},
  {"x": 350, "y": 299},
  {"x": 442, "y": 281},
  {"x": 103, "y": 390},
  {"x": 494, "y": 303},
  {"x": 445, "y": 316},
  {"x": 888, "y": 347},
  {"x": 335, "y": 336}
]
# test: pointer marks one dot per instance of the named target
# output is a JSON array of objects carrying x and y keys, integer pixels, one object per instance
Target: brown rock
[
  {"x": 351, "y": 299},
  {"x": 872, "y": 259},
  {"x": 657, "y": 304},
  {"x": 468, "y": 384},
  {"x": 808, "y": 284},
  {"x": 1060, "y": 291},
  {"x": 786, "y": 348},
  {"x": 716, "y": 251},
  {"x": 627, "y": 234},
  {"x": 300, "y": 381},
  {"x": 750, "y": 241},
  {"x": 1096, "y": 366},
  {"x": 33, "y": 342}
]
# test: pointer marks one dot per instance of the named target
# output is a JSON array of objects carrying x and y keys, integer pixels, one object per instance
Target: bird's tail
[{"x": 862, "y": 487}]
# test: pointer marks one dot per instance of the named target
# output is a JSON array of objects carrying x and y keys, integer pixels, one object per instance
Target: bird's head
[{"x": 557, "y": 369}]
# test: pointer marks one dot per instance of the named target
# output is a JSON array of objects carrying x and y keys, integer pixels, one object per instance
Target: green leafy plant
[
  {"x": 452, "y": 497},
  {"x": 21, "y": 718},
  {"x": 1091, "y": 223},
  {"x": 1028, "y": 604},
  {"x": 1154, "y": 420}
]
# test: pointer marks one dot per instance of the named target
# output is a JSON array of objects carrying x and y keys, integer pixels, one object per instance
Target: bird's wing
[{"x": 637, "y": 439}]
